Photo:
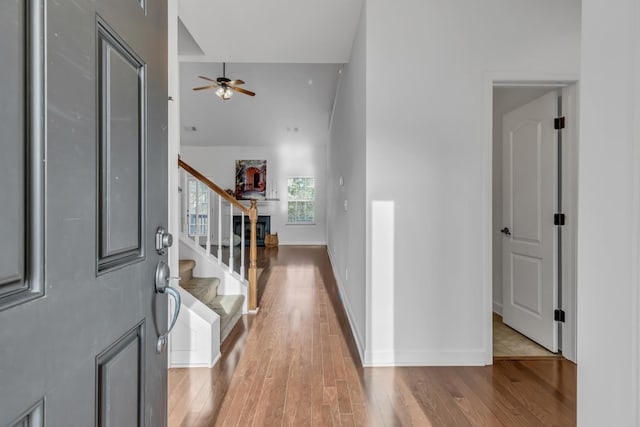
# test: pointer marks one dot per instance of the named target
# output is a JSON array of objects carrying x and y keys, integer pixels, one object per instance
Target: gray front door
[{"x": 83, "y": 187}]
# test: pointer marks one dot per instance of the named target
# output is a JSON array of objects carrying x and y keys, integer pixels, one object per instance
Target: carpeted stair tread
[
  {"x": 228, "y": 307},
  {"x": 203, "y": 288},
  {"x": 185, "y": 269}
]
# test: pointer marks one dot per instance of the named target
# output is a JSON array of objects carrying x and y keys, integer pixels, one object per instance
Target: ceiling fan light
[{"x": 224, "y": 92}]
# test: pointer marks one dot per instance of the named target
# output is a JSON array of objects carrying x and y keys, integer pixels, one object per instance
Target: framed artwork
[{"x": 251, "y": 179}]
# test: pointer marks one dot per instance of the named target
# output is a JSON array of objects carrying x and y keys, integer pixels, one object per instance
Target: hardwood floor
[{"x": 295, "y": 364}]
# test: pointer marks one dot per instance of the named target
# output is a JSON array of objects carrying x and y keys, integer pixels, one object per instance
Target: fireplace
[{"x": 263, "y": 226}]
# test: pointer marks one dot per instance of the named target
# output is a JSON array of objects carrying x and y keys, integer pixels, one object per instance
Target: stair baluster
[
  {"x": 219, "y": 230},
  {"x": 198, "y": 232},
  {"x": 242, "y": 245},
  {"x": 231, "y": 242},
  {"x": 210, "y": 210}
]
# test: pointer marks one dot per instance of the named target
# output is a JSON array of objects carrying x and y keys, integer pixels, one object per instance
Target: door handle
[
  {"x": 163, "y": 277},
  {"x": 162, "y": 339},
  {"x": 506, "y": 231}
]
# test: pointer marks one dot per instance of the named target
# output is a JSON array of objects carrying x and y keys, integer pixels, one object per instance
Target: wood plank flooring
[{"x": 295, "y": 364}]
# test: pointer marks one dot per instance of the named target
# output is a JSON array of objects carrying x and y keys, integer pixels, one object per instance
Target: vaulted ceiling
[
  {"x": 287, "y": 51},
  {"x": 292, "y": 105},
  {"x": 280, "y": 31}
]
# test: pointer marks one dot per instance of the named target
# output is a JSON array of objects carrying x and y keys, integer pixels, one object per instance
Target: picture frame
[{"x": 251, "y": 179}]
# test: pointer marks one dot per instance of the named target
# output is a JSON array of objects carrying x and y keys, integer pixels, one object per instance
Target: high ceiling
[
  {"x": 292, "y": 105},
  {"x": 278, "y": 31},
  {"x": 288, "y": 52}
]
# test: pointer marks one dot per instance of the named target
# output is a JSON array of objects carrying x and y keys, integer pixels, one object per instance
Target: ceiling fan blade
[
  {"x": 239, "y": 89},
  {"x": 207, "y": 78},
  {"x": 235, "y": 82},
  {"x": 204, "y": 87}
]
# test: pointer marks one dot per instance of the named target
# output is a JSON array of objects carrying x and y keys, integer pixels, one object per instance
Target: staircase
[
  {"x": 205, "y": 289},
  {"x": 201, "y": 214},
  {"x": 214, "y": 300}
]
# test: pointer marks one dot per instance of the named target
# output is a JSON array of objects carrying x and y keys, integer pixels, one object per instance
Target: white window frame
[{"x": 313, "y": 201}]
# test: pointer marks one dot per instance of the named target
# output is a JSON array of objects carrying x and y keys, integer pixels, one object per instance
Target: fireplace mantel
[
  {"x": 266, "y": 207},
  {"x": 265, "y": 202}
]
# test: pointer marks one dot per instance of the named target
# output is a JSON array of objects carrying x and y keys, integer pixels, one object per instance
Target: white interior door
[{"x": 529, "y": 250}]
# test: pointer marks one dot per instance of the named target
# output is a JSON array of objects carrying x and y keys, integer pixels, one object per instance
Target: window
[
  {"x": 301, "y": 200},
  {"x": 198, "y": 208}
]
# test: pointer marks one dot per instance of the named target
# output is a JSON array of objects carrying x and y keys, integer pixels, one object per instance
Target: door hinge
[
  {"x": 558, "y": 219},
  {"x": 559, "y": 122},
  {"x": 558, "y": 315}
]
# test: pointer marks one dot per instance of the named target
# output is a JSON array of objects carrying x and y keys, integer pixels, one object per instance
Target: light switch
[
  {"x": 341, "y": 181},
  {"x": 346, "y": 205}
]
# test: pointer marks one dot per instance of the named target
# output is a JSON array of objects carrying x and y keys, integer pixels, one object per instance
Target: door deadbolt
[{"x": 164, "y": 240}]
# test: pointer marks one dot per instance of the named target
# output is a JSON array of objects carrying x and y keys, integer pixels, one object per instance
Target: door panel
[
  {"x": 121, "y": 82},
  {"x": 527, "y": 273},
  {"x": 120, "y": 371},
  {"x": 21, "y": 240},
  {"x": 526, "y": 182},
  {"x": 529, "y": 200},
  {"x": 13, "y": 45},
  {"x": 56, "y": 349}
]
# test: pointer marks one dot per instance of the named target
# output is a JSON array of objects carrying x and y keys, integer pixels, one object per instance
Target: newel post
[{"x": 253, "y": 258}]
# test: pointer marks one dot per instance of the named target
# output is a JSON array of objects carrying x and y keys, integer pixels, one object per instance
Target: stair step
[
  {"x": 185, "y": 269},
  {"x": 203, "y": 288},
  {"x": 229, "y": 308}
]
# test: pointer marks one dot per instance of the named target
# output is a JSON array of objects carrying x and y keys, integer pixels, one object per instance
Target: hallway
[{"x": 295, "y": 363}]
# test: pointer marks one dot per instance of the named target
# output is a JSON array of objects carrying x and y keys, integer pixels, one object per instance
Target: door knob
[{"x": 506, "y": 231}]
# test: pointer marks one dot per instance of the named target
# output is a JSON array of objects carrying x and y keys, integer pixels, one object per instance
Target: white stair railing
[{"x": 201, "y": 203}]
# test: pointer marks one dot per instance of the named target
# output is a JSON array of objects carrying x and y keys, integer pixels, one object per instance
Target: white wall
[
  {"x": 426, "y": 150},
  {"x": 346, "y": 153},
  {"x": 219, "y": 164},
  {"x": 505, "y": 99},
  {"x": 608, "y": 229}
]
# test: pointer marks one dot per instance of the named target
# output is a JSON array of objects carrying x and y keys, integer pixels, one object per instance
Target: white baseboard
[
  {"x": 305, "y": 243},
  {"x": 347, "y": 308},
  {"x": 197, "y": 365},
  {"x": 497, "y": 307},
  {"x": 473, "y": 357}
]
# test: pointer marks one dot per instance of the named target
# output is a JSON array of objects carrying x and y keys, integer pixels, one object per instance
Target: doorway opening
[{"x": 534, "y": 205}]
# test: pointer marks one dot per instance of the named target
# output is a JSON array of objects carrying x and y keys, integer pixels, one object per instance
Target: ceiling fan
[{"x": 224, "y": 87}]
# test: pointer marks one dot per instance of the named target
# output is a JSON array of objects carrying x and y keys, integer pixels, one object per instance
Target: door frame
[
  {"x": 569, "y": 84},
  {"x": 173, "y": 147}
]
